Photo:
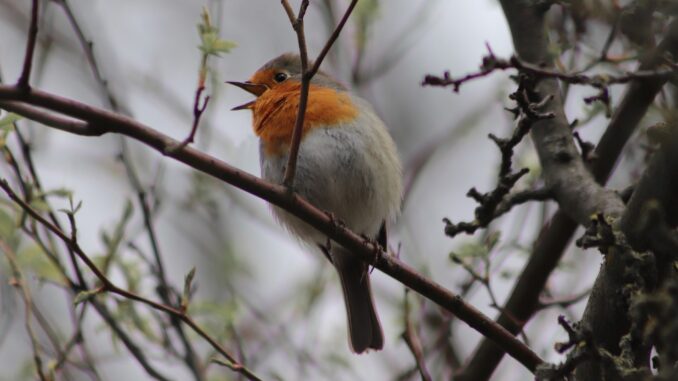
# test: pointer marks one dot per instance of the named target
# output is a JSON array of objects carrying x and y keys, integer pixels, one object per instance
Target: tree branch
[
  {"x": 279, "y": 196},
  {"x": 645, "y": 225},
  {"x": 555, "y": 237}
]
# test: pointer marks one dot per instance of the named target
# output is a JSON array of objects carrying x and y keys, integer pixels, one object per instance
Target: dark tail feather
[{"x": 363, "y": 323}]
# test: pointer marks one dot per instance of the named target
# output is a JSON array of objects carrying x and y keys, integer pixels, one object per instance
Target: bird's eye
[{"x": 280, "y": 77}]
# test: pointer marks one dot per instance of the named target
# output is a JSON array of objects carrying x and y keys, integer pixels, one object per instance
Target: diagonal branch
[{"x": 279, "y": 195}]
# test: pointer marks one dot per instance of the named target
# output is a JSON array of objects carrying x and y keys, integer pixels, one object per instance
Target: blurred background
[{"x": 257, "y": 290}]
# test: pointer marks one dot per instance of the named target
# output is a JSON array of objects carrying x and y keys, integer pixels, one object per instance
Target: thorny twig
[
  {"x": 577, "y": 339},
  {"x": 492, "y": 63},
  {"x": 495, "y": 203}
]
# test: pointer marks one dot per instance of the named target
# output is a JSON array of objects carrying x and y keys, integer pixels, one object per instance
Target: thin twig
[
  {"x": 129, "y": 343},
  {"x": 306, "y": 76},
  {"x": 24, "y": 79},
  {"x": 198, "y": 110},
  {"x": 164, "y": 290},
  {"x": 88, "y": 49},
  {"x": 413, "y": 341}
]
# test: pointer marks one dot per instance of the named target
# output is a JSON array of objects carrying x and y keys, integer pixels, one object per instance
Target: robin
[{"x": 347, "y": 165}]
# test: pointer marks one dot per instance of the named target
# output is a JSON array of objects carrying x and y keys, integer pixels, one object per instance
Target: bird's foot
[{"x": 376, "y": 251}]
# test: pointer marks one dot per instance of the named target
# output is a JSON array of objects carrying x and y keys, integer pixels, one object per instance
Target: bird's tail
[{"x": 363, "y": 323}]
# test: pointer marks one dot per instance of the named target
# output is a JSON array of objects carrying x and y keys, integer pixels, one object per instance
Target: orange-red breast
[{"x": 347, "y": 165}]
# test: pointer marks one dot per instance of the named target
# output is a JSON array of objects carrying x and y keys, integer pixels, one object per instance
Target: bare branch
[{"x": 279, "y": 196}]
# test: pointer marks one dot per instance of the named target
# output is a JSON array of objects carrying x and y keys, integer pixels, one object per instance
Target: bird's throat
[{"x": 275, "y": 113}]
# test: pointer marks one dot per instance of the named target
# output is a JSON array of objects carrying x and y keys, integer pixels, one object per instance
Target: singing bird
[{"x": 347, "y": 165}]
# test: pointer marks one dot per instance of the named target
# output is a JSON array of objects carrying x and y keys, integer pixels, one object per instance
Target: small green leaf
[
  {"x": 365, "y": 15},
  {"x": 455, "y": 258},
  {"x": 77, "y": 207},
  {"x": 132, "y": 272},
  {"x": 211, "y": 44},
  {"x": 84, "y": 296},
  {"x": 7, "y": 226},
  {"x": 471, "y": 250},
  {"x": 33, "y": 258},
  {"x": 58, "y": 192},
  {"x": 187, "y": 289},
  {"x": 223, "y": 46},
  {"x": 40, "y": 205},
  {"x": 7, "y": 122},
  {"x": 113, "y": 241},
  {"x": 492, "y": 239}
]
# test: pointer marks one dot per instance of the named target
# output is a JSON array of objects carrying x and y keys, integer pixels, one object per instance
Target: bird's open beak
[{"x": 252, "y": 88}]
